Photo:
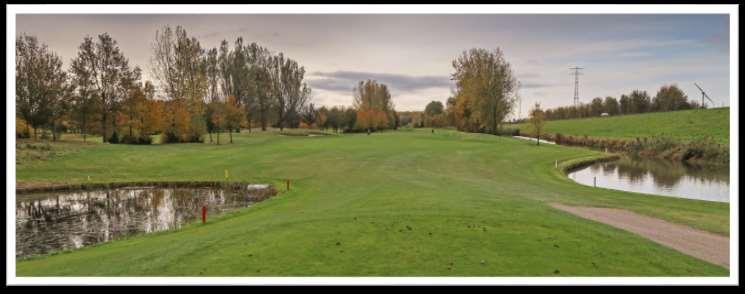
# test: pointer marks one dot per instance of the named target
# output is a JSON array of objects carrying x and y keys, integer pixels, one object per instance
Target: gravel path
[{"x": 703, "y": 245}]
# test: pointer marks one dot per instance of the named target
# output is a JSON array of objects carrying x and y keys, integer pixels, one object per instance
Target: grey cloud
[
  {"x": 344, "y": 81},
  {"x": 534, "y": 85},
  {"x": 334, "y": 85}
]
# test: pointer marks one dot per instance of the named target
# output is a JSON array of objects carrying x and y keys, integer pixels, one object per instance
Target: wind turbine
[{"x": 703, "y": 95}]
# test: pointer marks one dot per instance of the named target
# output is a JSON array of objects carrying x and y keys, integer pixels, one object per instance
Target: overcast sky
[{"x": 413, "y": 53}]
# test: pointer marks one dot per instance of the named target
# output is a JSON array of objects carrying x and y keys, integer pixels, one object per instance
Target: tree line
[
  {"x": 198, "y": 91},
  {"x": 485, "y": 94},
  {"x": 668, "y": 98},
  {"x": 372, "y": 110}
]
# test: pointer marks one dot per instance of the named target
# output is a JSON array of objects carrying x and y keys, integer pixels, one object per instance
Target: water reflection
[
  {"x": 48, "y": 222},
  {"x": 658, "y": 177}
]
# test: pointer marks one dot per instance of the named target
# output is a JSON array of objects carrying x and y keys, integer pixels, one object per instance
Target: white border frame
[{"x": 731, "y": 10}]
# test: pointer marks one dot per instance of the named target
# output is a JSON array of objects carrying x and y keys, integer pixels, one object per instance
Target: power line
[{"x": 576, "y": 74}]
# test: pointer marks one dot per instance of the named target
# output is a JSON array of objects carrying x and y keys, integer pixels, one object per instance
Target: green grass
[
  {"x": 685, "y": 125},
  {"x": 407, "y": 203}
]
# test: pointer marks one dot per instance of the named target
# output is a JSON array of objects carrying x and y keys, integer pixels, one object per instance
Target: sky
[{"x": 413, "y": 54}]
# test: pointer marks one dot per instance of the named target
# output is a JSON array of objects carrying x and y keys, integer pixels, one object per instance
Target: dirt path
[{"x": 703, "y": 245}]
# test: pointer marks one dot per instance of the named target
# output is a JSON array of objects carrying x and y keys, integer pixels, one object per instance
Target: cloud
[
  {"x": 534, "y": 85},
  {"x": 344, "y": 81},
  {"x": 334, "y": 85}
]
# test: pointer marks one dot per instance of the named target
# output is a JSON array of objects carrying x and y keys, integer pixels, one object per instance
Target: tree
[
  {"x": 322, "y": 117},
  {"x": 610, "y": 105},
  {"x": 434, "y": 108},
  {"x": 596, "y": 106},
  {"x": 484, "y": 87},
  {"x": 640, "y": 101},
  {"x": 670, "y": 98},
  {"x": 179, "y": 67},
  {"x": 40, "y": 83},
  {"x": 59, "y": 109},
  {"x": 213, "y": 75},
  {"x": 625, "y": 104},
  {"x": 217, "y": 113},
  {"x": 349, "y": 119},
  {"x": 257, "y": 103},
  {"x": 100, "y": 70},
  {"x": 288, "y": 89},
  {"x": 133, "y": 110},
  {"x": 309, "y": 115},
  {"x": 372, "y": 102},
  {"x": 153, "y": 118},
  {"x": 238, "y": 77},
  {"x": 450, "y": 111},
  {"x": 234, "y": 115},
  {"x": 537, "y": 120}
]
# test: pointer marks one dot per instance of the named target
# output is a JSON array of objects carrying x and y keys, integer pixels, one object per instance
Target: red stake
[{"x": 204, "y": 214}]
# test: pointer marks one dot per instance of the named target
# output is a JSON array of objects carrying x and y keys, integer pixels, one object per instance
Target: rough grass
[
  {"x": 685, "y": 125},
  {"x": 407, "y": 203}
]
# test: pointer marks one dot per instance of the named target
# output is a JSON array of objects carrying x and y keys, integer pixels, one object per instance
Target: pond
[
  {"x": 657, "y": 177},
  {"x": 49, "y": 222},
  {"x": 543, "y": 141}
]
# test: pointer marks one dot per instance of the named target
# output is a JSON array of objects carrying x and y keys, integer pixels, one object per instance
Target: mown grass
[
  {"x": 408, "y": 203},
  {"x": 685, "y": 125}
]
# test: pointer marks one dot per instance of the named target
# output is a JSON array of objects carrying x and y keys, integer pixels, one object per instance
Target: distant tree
[
  {"x": 133, "y": 110},
  {"x": 625, "y": 104},
  {"x": 212, "y": 71},
  {"x": 670, "y": 98},
  {"x": 217, "y": 110},
  {"x": 59, "y": 109},
  {"x": 485, "y": 85},
  {"x": 372, "y": 102},
  {"x": 349, "y": 119},
  {"x": 640, "y": 101},
  {"x": 309, "y": 115},
  {"x": 450, "y": 111},
  {"x": 234, "y": 115},
  {"x": 434, "y": 108},
  {"x": 322, "y": 115},
  {"x": 41, "y": 83},
  {"x": 610, "y": 105},
  {"x": 596, "y": 107},
  {"x": 153, "y": 118},
  {"x": 537, "y": 120}
]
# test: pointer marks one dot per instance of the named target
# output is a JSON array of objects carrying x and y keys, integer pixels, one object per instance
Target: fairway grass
[
  {"x": 684, "y": 125},
  {"x": 399, "y": 203}
]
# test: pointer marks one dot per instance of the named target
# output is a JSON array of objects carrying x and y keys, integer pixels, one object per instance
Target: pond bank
[
  {"x": 50, "y": 222},
  {"x": 703, "y": 152},
  {"x": 60, "y": 187}
]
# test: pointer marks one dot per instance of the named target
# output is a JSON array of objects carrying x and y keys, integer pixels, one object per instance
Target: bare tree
[
  {"x": 101, "y": 64},
  {"x": 178, "y": 65}
]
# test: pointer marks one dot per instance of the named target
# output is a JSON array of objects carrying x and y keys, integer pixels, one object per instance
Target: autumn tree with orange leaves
[{"x": 375, "y": 109}]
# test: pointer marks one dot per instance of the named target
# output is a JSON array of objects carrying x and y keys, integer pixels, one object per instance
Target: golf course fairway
[{"x": 397, "y": 203}]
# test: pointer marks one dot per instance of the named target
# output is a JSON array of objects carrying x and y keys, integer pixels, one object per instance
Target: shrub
[
  {"x": 22, "y": 129},
  {"x": 137, "y": 140},
  {"x": 508, "y": 132}
]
